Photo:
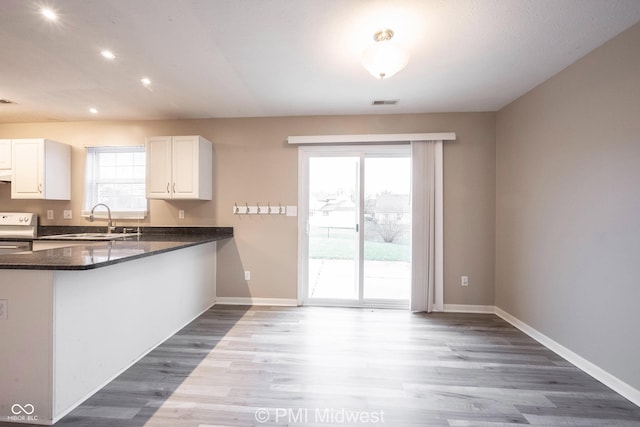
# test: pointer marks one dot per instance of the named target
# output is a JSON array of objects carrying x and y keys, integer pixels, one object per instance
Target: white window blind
[{"x": 115, "y": 176}]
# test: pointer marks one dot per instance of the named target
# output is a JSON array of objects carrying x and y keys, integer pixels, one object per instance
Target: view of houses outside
[{"x": 333, "y": 215}]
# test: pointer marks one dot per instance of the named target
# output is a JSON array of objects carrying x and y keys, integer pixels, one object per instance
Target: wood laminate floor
[{"x": 241, "y": 366}]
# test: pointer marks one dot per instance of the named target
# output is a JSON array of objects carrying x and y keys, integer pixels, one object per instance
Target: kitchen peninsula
[{"x": 77, "y": 315}]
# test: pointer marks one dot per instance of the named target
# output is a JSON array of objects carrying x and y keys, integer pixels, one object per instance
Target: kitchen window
[{"x": 115, "y": 176}]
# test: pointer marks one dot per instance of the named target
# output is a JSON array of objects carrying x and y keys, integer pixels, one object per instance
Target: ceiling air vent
[
  {"x": 385, "y": 102},
  {"x": 5, "y": 101}
]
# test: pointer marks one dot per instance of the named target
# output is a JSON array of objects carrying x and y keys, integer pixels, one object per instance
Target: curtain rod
[{"x": 397, "y": 138}]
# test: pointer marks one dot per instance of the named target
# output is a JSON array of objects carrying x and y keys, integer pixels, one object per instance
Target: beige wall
[
  {"x": 568, "y": 207},
  {"x": 253, "y": 163}
]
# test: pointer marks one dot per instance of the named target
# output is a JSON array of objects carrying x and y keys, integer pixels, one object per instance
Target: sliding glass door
[
  {"x": 355, "y": 226},
  {"x": 332, "y": 218},
  {"x": 387, "y": 228}
]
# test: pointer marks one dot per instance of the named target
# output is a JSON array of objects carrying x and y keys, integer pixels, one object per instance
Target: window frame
[{"x": 92, "y": 180}]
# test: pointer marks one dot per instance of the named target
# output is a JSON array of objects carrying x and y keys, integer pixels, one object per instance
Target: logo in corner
[{"x": 18, "y": 409}]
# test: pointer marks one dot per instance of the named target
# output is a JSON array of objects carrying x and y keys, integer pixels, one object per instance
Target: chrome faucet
[{"x": 110, "y": 226}]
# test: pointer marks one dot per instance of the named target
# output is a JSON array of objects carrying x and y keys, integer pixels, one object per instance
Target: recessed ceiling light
[
  {"x": 49, "y": 14},
  {"x": 108, "y": 54},
  {"x": 145, "y": 81},
  {"x": 93, "y": 111}
]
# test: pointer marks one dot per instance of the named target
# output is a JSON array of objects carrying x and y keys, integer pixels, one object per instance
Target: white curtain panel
[{"x": 427, "y": 292}]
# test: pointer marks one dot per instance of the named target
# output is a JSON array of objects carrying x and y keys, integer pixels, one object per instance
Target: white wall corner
[{"x": 588, "y": 367}]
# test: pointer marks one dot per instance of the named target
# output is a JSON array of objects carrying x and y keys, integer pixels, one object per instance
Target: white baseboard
[
  {"x": 466, "y": 308},
  {"x": 286, "y": 302},
  {"x": 595, "y": 371}
]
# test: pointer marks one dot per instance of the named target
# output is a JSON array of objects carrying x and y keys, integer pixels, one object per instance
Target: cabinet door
[
  {"x": 5, "y": 154},
  {"x": 158, "y": 182},
  {"x": 28, "y": 169},
  {"x": 185, "y": 167}
]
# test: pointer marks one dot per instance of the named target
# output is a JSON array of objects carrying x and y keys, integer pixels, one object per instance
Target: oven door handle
[{"x": 12, "y": 247}]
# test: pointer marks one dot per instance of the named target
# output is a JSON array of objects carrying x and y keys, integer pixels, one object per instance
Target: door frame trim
[{"x": 304, "y": 153}]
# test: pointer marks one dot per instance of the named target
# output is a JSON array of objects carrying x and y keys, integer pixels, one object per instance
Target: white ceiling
[{"x": 247, "y": 58}]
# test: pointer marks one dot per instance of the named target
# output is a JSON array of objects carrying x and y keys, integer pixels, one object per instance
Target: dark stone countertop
[{"x": 88, "y": 255}]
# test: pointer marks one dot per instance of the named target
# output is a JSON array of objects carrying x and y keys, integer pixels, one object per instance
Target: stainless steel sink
[{"x": 87, "y": 236}]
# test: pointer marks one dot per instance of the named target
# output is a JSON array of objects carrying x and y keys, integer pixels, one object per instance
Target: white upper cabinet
[
  {"x": 41, "y": 170},
  {"x": 158, "y": 179},
  {"x": 179, "y": 167},
  {"x": 5, "y": 154}
]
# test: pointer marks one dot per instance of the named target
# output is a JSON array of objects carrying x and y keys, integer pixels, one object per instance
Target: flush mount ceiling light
[
  {"x": 384, "y": 58},
  {"x": 93, "y": 110}
]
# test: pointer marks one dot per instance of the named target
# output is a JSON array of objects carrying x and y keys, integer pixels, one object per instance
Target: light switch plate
[
  {"x": 292, "y": 211},
  {"x": 66, "y": 214}
]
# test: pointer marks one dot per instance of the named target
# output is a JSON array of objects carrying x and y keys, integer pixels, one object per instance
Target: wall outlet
[
  {"x": 247, "y": 275},
  {"x": 49, "y": 214},
  {"x": 66, "y": 214},
  {"x": 181, "y": 214},
  {"x": 4, "y": 309},
  {"x": 464, "y": 280}
]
